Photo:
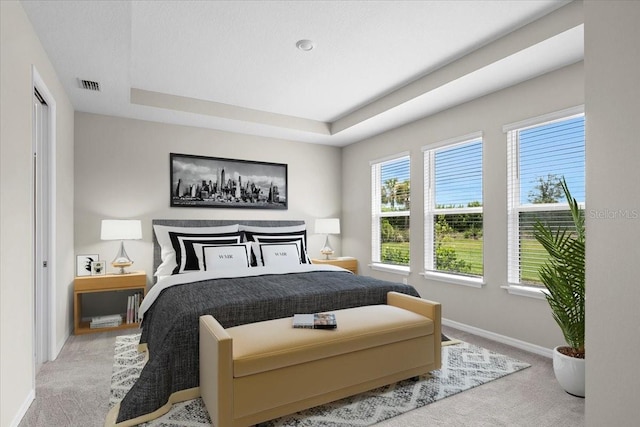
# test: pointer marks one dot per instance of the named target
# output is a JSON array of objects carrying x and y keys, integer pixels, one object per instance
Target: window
[
  {"x": 390, "y": 208},
  {"x": 540, "y": 153},
  {"x": 453, "y": 206}
]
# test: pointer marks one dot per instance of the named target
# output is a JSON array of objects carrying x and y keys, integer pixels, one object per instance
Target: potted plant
[{"x": 564, "y": 277}]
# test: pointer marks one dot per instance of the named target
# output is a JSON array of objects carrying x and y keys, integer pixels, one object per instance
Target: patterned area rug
[{"x": 464, "y": 366}]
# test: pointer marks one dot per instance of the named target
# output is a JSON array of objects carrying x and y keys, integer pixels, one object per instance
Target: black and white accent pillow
[
  {"x": 234, "y": 251},
  {"x": 186, "y": 259},
  {"x": 226, "y": 257},
  {"x": 297, "y": 237},
  {"x": 279, "y": 254},
  {"x": 167, "y": 250}
]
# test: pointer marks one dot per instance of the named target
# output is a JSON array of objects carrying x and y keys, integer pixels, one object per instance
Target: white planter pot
[{"x": 569, "y": 373}]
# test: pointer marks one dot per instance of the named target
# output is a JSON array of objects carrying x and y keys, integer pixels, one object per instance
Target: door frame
[{"x": 48, "y": 295}]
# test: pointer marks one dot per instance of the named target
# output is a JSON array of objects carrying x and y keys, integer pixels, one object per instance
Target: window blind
[
  {"x": 453, "y": 207},
  {"x": 391, "y": 205},
  {"x": 540, "y": 155}
]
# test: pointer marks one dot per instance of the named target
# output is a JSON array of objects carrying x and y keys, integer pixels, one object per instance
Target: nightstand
[
  {"x": 348, "y": 263},
  {"x": 130, "y": 283}
]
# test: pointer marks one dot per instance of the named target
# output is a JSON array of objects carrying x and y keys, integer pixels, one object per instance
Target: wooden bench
[{"x": 260, "y": 371}]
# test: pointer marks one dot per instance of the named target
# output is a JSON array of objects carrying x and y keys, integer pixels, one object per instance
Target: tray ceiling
[{"x": 234, "y": 65}]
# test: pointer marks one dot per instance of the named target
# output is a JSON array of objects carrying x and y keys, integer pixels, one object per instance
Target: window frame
[
  {"x": 377, "y": 214},
  {"x": 515, "y": 207},
  {"x": 430, "y": 211}
]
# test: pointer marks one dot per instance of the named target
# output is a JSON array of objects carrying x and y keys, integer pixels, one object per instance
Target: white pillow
[
  {"x": 199, "y": 250},
  {"x": 185, "y": 258},
  {"x": 226, "y": 257},
  {"x": 298, "y": 240},
  {"x": 167, "y": 252},
  {"x": 259, "y": 234},
  {"x": 282, "y": 229},
  {"x": 280, "y": 255}
]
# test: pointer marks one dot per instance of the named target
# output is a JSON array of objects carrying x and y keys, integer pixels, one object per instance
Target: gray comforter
[{"x": 170, "y": 326}]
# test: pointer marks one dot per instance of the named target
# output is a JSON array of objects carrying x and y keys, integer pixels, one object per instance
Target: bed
[{"x": 283, "y": 286}]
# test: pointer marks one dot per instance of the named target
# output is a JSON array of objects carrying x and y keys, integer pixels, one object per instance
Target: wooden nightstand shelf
[
  {"x": 347, "y": 263},
  {"x": 132, "y": 282}
]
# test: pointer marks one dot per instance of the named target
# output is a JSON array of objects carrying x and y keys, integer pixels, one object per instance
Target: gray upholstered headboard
[{"x": 211, "y": 223}]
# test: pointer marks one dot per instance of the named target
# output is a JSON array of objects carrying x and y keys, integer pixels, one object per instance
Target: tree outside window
[{"x": 391, "y": 195}]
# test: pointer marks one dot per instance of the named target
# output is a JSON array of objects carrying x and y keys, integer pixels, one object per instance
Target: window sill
[
  {"x": 474, "y": 282},
  {"x": 388, "y": 268},
  {"x": 526, "y": 291}
]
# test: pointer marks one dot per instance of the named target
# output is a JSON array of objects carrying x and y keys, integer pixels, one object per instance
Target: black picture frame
[{"x": 215, "y": 182}]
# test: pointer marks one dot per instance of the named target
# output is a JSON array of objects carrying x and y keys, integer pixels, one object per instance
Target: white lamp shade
[
  {"x": 328, "y": 226},
  {"x": 121, "y": 229}
]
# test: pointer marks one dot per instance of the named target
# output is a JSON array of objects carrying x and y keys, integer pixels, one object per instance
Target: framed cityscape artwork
[{"x": 212, "y": 182}]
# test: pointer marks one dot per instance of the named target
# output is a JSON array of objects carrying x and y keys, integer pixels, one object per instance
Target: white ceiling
[{"x": 234, "y": 66}]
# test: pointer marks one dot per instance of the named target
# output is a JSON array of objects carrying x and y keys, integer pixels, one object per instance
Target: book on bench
[{"x": 315, "y": 321}]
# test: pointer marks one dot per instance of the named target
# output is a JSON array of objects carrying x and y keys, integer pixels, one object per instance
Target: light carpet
[{"x": 464, "y": 366}]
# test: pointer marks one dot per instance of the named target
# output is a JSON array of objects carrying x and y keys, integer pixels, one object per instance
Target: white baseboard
[
  {"x": 23, "y": 409},
  {"x": 56, "y": 351},
  {"x": 522, "y": 345}
]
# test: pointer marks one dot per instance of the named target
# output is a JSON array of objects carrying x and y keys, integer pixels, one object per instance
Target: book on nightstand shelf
[
  {"x": 133, "y": 306},
  {"x": 108, "y": 321},
  {"x": 315, "y": 321}
]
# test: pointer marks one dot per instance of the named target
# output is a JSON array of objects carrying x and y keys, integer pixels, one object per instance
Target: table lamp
[
  {"x": 327, "y": 226},
  {"x": 121, "y": 229}
]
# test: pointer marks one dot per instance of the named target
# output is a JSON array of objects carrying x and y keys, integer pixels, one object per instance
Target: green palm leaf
[{"x": 564, "y": 273}]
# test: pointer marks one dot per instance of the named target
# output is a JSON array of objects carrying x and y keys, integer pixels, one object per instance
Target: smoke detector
[{"x": 305, "y": 45}]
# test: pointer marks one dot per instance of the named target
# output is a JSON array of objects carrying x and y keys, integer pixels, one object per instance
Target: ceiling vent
[{"x": 89, "y": 85}]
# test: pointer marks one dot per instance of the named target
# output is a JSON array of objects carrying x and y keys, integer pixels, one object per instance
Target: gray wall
[
  {"x": 122, "y": 171},
  {"x": 490, "y": 308},
  {"x": 20, "y": 49},
  {"x": 612, "y": 91}
]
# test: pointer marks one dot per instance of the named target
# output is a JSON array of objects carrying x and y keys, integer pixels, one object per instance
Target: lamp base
[
  {"x": 122, "y": 265},
  {"x": 122, "y": 260},
  {"x": 326, "y": 250}
]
